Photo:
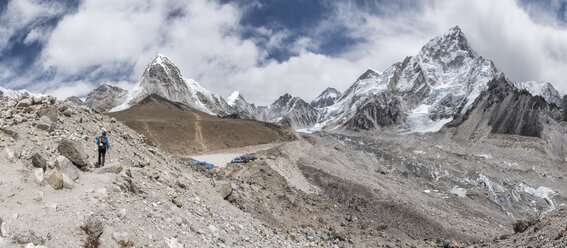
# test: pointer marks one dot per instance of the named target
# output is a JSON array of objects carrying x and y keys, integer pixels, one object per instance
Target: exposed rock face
[
  {"x": 242, "y": 108},
  {"x": 164, "y": 79},
  {"x": 380, "y": 110},
  {"x": 503, "y": 109},
  {"x": 443, "y": 79},
  {"x": 289, "y": 111},
  {"x": 327, "y": 98},
  {"x": 106, "y": 97},
  {"x": 543, "y": 89}
]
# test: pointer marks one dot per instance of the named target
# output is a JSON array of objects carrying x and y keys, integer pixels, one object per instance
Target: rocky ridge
[
  {"x": 327, "y": 98},
  {"x": 105, "y": 97}
]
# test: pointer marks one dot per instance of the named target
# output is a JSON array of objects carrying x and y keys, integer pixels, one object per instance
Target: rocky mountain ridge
[{"x": 327, "y": 98}]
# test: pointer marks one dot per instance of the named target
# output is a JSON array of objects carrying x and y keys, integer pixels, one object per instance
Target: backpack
[{"x": 102, "y": 143}]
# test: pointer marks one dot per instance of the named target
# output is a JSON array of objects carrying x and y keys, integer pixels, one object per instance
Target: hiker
[{"x": 103, "y": 144}]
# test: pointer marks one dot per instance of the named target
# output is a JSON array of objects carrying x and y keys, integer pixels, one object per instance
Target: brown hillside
[{"x": 182, "y": 130}]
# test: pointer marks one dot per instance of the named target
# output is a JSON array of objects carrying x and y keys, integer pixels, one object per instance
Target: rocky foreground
[
  {"x": 320, "y": 190},
  {"x": 51, "y": 195}
]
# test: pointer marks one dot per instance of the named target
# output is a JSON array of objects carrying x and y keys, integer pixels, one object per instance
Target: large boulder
[
  {"x": 51, "y": 113},
  {"x": 74, "y": 152},
  {"x": 55, "y": 179},
  {"x": 45, "y": 123},
  {"x": 66, "y": 167},
  {"x": 24, "y": 103}
]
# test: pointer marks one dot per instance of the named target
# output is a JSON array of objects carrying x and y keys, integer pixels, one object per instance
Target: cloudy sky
[{"x": 264, "y": 48}]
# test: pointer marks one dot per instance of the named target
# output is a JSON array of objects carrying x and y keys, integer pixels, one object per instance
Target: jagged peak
[
  {"x": 369, "y": 73},
  {"x": 231, "y": 100},
  {"x": 451, "y": 41}
]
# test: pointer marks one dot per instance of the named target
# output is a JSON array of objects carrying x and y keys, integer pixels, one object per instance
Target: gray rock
[
  {"x": 122, "y": 239},
  {"x": 174, "y": 243},
  {"x": 50, "y": 112},
  {"x": 55, "y": 179},
  {"x": 28, "y": 237},
  {"x": 93, "y": 227},
  {"x": 38, "y": 161},
  {"x": 7, "y": 243},
  {"x": 38, "y": 176},
  {"x": 110, "y": 168},
  {"x": 68, "y": 112},
  {"x": 74, "y": 152},
  {"x": 67, "y": 182},
  {"x": 24, "y": 103},
  {"x": 66, "y": 167},
  {"x": 10, "y": 132},
  {"x": 45, "y": 123}
]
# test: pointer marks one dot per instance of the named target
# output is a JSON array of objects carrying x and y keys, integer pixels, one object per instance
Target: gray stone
[
  {"x": 28, "y": 237},
  {"x": 67, "y": 182},
  {"x": 73, "y": 151},
  {"x": 45, "y": 123},
  {"x": 38, "y": 161},
  {"x": 51, "y": 113},
  {"x": 93, "y": 227},
  {"x": 38, "y": 176},
  {"x": 24, "y": 103},
  {"x": 10, "y": 132},
  {"x": 111, "y": 168},
  {"x": 122, "y": 238},
  {"x": 68, "y": 112},
  {"x": 66, "y": 167},
  {"x": 127, "y": 163},
  {"x": 174, "y": 243},
  {"x": 55, "y": 179}
]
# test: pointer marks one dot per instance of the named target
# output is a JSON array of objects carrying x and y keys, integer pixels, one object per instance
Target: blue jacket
[{"x": 107, "y": 141}]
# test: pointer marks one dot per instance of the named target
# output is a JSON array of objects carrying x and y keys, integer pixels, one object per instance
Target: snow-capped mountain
[
  {"x": 443, "y": 79},
  {"x": 16, "y": 93},
  {"x": 543, "y": 89},
  {"x": 164, "y": 79},
  {"x": 242, "y": 108},
  {"x": 289, "y": 111},
  {"x": 327, "y": 98},
  {"x": 105, "y": 97}
]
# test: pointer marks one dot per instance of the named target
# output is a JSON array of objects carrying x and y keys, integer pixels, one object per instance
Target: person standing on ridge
[{"x": 103, "y": 144}]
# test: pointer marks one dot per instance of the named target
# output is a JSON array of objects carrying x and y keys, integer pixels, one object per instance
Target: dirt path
[
  {"x": 198, "y": 132},
  {"x": 221, "y": 158}
]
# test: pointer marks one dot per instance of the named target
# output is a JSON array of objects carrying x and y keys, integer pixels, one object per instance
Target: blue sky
[{"x": 264, "y": 48}]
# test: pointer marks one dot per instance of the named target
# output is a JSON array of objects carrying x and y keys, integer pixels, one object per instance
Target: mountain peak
[
  {"x": 451, "y": 42},
  {"x": 369, "y": 73},
  {"x": 327, "y": 98},
  {"x": 231, "y": 100}
]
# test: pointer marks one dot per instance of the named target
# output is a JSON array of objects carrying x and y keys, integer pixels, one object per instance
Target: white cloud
[
  {"x": 106, "y": 37},
  {"x": 78, "y": 88},
  {"x": 20, "y": 13}
]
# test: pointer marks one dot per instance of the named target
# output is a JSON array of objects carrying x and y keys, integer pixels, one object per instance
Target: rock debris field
[{"x": 320, "y": 190}]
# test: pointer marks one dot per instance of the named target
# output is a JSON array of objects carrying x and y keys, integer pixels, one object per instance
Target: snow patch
[
  {"x": 460, "y": 192},
  {"x": 544, "y": 193},
  {"x": 231, "y": 100}
]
